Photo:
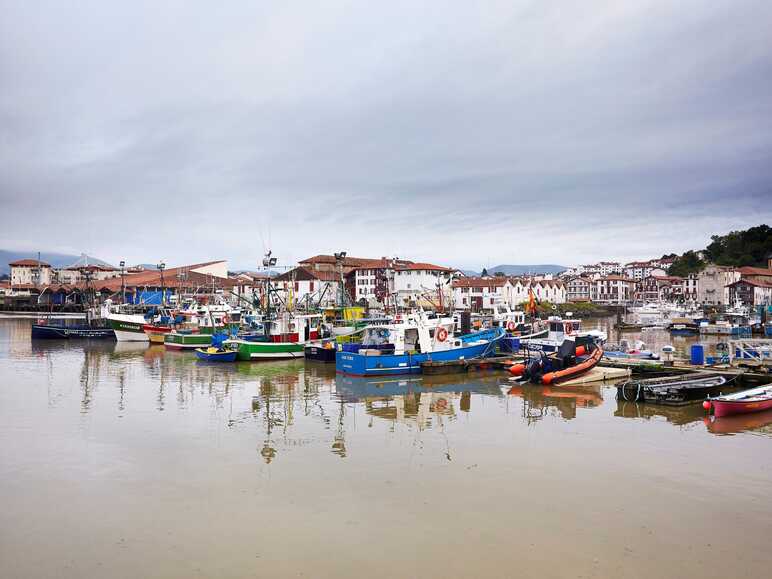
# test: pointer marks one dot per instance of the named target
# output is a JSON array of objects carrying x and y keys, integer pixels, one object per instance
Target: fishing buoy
[
  {"x": 517, "y": 369},
  {"x": 547, "y": 378},
  {"x": 581, "y": 350},
  {"x": 706, "y": 405}
]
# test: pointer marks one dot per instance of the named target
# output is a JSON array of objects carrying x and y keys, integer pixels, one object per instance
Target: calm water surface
[{"x": 121, "y": 460}]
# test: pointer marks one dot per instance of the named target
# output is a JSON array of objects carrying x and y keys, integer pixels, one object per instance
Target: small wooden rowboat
[
  {"x": 753, "y": 400},
  {"x": 671, "y": 390},
  {"x": 213, "y": 354}
]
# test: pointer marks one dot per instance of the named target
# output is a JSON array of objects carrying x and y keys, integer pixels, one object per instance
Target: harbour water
[{"x": 123, "y": 460}]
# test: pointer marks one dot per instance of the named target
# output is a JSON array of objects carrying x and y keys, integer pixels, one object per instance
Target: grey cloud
[{"x": 447, "y": 132}]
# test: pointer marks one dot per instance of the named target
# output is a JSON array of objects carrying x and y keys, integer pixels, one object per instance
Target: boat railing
[{"x": 756, "y": 351}]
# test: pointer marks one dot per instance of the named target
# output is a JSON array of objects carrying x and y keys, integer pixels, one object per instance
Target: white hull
[{"x": 122, "y": 336}]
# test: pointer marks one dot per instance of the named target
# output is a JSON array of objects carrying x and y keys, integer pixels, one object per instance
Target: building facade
[
  {"x": 612, "y": 290},
  {"x": 30, "y": 272},
  {"x": 749, "y": 292},
  {"x": 578, "y": 289}
]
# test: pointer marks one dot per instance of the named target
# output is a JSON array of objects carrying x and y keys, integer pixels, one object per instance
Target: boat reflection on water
[
  {"x": 540, "y": 401},
  {"x": 413, "y": 400},
  {"x": 737, "y": 423},
  {"x": 676, "y": 415}
]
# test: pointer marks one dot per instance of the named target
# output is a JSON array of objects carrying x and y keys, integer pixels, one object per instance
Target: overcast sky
[{"x": 464, "y": 133}]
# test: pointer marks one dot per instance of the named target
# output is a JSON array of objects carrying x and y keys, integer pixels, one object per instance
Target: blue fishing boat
[
  {"x": 213, "y": 354},
  {"x": 401, "y": 348}
]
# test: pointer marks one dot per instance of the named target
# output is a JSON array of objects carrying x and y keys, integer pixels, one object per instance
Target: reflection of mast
[
  {"x": 339, "y": 442},
  {"x": 268, "y": 452}
]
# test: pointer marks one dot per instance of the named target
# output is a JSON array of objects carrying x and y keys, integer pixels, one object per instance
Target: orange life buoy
[
  {"x": 568, "y": 328},
  {"x": 442, "y": 335},
  {"x": 511, "y": 326}
]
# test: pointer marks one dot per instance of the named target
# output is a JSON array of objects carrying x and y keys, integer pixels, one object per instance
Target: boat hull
[
  {"x": 48, "y": 332},
  {"x": 318, "y": 353},
  {"x": 730, "y": 407},
  {"x": 128, "y": 327},
  {"x": 248, "y": 350},
  {"x": 205, "y": 356},
  {"x": 356, "y": 364},
  {"x": 175, "y": 341}
]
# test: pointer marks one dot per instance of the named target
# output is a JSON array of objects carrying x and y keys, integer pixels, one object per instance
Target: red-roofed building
[
  {"x": 30, "y": 272},
  {"x": 376, "y": 280}
]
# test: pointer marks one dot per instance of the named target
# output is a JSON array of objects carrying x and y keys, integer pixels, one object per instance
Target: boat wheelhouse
[
  {"x": 558, "y": 331},
  {"x": 285, "y": 337}
]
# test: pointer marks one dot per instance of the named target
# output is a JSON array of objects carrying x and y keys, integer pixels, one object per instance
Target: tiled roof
[
  {"x": 615, "y": 278},
  {"x": 152, "y": 278},
  {"x": 480, "y": 282},
  {"x": 754, "y": 283},
  {"x": 422, "y": 267},
  {"x": 29, "y": 263},
  {"x": 306, "y": 274},
  {"x": 755, "y": 271}
]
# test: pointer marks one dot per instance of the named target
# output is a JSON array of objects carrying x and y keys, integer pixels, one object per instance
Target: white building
[
  {"x": 408, "y": 281},
  {"x": 612, "y": 290},
  {"x": 301, "y": 286},
  {"x": 713, "y": 284},
  {"x": 638, "y": 270},
  {"x": 30, "y": 272},
  {"x": 578, "y": 289},
  {"x": 481, "y": 293},
  {"x": 609, "y": 268}
]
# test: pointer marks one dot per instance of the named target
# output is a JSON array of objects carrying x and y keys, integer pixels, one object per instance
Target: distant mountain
[
  {"x": 55, "y": 259},
  {"x": 469, "y": 272},
  {"x": 526, "y": 269}
]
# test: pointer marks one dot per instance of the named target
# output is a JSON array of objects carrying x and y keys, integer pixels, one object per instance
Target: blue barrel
[{"x": 698, "y": 355}]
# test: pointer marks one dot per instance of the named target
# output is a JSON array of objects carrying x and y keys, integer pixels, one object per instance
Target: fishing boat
[
  {"x": 401, "y": 347},
  {"x": 187, "y": 339},
  {"x": 322, "y": 351},
  {"x": 683, "y": 327},
  {"x": 284, "y": 337},
  {"x": 45, "y": 330},
  {"x": 128, "y": 321},
  {"x": 95, "y": 326},
  {"x": 672, "y": 390},
  {"x": 560, "y": 330},
  {"x": 753, "y": 400}
]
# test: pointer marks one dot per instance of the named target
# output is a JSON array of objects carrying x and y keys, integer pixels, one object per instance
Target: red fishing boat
[{"x": 753, "y": 400}]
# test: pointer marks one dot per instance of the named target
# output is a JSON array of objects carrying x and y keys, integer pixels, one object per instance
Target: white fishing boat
[{"x": 560, "y": 330}]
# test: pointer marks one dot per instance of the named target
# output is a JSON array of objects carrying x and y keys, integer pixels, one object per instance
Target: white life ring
[
  {"x": 442, "y": 335},
  {"x": 511, "y": 326}
]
